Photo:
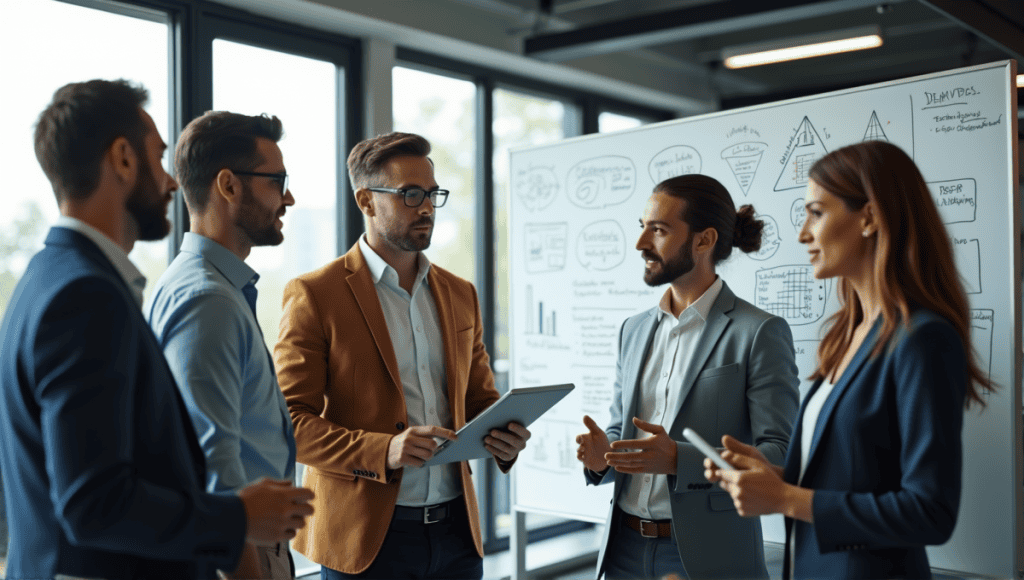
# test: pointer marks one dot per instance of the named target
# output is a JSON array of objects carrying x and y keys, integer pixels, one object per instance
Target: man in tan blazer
[{"x": 381, "y": 357}]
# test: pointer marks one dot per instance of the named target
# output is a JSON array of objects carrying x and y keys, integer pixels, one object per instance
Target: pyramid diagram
[
  {"x": 806, "y": 148},
  {"x": 874, "y": 131},
  {"x": 743, "y": 160}
]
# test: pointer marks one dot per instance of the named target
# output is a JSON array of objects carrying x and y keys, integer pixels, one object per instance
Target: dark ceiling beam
[
  {"x": 985, "y": 22},
  {"x": 681, "y": 24}
]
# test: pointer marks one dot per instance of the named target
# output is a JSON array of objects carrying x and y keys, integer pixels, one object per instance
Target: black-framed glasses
[
  {"x": 281, "y": 178},
  {"x": 414, "y": 196}
]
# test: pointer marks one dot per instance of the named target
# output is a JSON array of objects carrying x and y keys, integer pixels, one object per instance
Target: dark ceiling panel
[{"x": 987, "y": 23}]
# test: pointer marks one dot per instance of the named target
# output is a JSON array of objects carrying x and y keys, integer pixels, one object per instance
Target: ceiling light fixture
[{"x": 802, "y": 47}]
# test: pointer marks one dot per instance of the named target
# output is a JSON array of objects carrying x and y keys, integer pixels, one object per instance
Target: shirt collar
[
  {"x": 237, "y": 272},
  {"x": 379, "y": 268},
  {"x": 700, "y": 307},
  {"x": 131, "y": 275}
]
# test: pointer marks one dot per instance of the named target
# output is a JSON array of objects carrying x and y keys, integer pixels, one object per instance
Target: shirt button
[
  {"x": 648, "y": 478},
  {"x": 664, "y": 374},
  {"x": 419, "y": 329},
  {"x": 400, "y": 426}
]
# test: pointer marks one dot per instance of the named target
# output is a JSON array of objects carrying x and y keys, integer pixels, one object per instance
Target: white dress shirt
[
  {"x": 415, "y": 331},
  {"x": 675, "y": 340},
  {"x": 132, "y": 276},
  {"x": 807, "y": 424}
]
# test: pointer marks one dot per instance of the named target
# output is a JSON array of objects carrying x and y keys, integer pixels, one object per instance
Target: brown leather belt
[{"x": 648, "y": 528}]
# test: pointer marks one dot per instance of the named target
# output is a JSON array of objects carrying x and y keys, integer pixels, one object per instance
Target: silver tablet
[{"x": 522, "y": 406}]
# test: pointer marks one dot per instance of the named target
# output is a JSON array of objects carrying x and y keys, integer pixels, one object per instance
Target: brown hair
[
  {"x": 219, "y": 140},
  {"x": 709, "y": 205},
  {"x": 367, "y": 159},
  {"x": 79, "y": 125},
  {"x": 914, "y": 263}
]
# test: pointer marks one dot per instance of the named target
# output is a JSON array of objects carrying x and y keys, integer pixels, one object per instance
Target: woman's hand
[{"x": 756, "y": 486}]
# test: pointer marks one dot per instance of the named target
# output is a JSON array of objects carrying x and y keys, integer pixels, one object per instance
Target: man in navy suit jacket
[{"x": 103, "y": 476}]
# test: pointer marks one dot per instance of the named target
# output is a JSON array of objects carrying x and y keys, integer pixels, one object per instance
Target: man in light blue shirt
[{"x": 203, "y": 310}]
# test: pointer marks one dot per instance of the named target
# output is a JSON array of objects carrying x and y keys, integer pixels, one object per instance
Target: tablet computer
[{"x": 522, "y": 406}]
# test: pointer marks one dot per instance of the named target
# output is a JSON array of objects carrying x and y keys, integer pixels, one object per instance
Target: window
[
  {"x": 441, "y": 109},
  {"x": 608, "y": 122}
]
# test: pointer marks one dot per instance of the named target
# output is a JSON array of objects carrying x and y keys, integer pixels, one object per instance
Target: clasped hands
[
  {"x": 415, "y": 445},
  {"x": 756, "y": 485},
  {"x": 655, "y": 453}
]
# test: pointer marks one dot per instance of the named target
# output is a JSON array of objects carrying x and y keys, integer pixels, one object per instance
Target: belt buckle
[
  {"x": 645, "y": 534},
  {"x": 426, "y": 514}
]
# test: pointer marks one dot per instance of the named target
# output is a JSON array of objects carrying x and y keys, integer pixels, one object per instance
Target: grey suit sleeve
[
  {"x": 773, "y": 395},
  {"x": 614, "y": 429}
]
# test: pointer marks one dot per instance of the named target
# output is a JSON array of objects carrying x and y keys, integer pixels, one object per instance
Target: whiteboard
[{"x": 576, "y": 275}]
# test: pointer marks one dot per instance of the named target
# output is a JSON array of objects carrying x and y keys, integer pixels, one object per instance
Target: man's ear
[
  {"x": 124, "y": 160},
  {"x": 705, "y": 241},
  {"x": 364, "y": 199},
  {"x": 228, "y": 186}
]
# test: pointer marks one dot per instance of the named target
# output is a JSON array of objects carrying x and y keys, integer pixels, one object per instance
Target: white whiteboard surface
[{"x": 575, "y": 274}]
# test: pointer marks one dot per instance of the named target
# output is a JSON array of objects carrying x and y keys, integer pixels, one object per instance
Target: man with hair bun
[{"x": 703, "y": 359}]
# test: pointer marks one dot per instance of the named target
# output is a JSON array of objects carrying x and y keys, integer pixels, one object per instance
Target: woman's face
[{"x": 835, "y": 235}]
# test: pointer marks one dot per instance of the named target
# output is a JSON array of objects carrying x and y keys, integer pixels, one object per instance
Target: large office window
[
  {"x": 441, "y": 109},
  {"x": 242, "y": 84}
]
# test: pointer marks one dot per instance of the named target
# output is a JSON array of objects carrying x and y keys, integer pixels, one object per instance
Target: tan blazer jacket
[{"x": 337, "y": 368}]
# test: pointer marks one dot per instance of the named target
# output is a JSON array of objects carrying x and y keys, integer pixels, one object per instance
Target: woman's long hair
[{"x": 914, "y": 263}]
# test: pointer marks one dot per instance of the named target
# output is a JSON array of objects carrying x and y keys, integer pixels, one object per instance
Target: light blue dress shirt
[{"x": 203, "y": 315}]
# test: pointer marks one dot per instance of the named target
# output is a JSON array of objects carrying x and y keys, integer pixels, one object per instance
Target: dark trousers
[{"x": 412, "y": 549}]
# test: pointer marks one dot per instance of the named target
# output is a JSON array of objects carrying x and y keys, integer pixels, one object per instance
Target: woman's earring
[{"x": 865, "y": 233}]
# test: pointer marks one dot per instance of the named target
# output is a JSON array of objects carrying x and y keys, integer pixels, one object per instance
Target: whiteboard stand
[{"x": 517, "y": 543}]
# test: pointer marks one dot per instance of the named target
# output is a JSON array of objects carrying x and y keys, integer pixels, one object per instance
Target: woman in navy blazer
[{"x": 873, "y": 470}]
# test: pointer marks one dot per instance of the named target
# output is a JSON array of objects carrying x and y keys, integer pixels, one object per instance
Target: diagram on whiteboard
[
  {"x": 791, "y": 292},
  {"x": 874, "y": 131},
  {"x": 798, "y": 213},
  {"x": 536, "y": 187},
  {"x": 770, "y": 240},
  {"x": 968, "y": 261},
  {"x": 601, "y": 245},
  {"x": 805, "y": 147},
  {"x": 743, "y": 160},
  {"x": 600, "y": 182},
  {"x": 538, "y": 319},
  {"x": 552, "y": 446},
  {"x": 957, "y": 199},
  {"x": 673, "y": 162},
  {"x": 982, "y": 323},
  {"x": 546, "y": 246}
]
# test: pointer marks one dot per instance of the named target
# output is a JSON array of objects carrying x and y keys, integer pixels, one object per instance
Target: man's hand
[
  {"x": 416, "y": 445},
  {"x": 506, "y": 445},
  {"x": 274, "y": 510},
  {"x": 593, "y": 445},
  {"x": 655, "y": 454}
]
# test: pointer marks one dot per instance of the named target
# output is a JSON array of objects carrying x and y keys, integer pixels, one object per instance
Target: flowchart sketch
[
  {"x": 601, "y": 245},
  {"x": 957, "y": 199},
  {"x": 770, "y": 240},
  {"x": 798, "y": 213},
  {"x": 601, "y": 182},
  {"x": 673, "y": 162},
  {"x": 874, "y": 131},
  {"x": 805, "y": 147},
  {"x": 538, "y": 319},
  {"x": 968, "y": 261},
  {"x": 536, "y": 187},
  {"x": 546, "y": 247},
  {"x": 982, "y": 323},
  {"x": 791, "y": 292},
  {"x": 743, "y": 160}
]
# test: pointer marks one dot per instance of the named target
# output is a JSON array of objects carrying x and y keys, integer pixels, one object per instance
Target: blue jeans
[
  {"x": 411, "y": 549},
  {"x": 630, "y": 556}
]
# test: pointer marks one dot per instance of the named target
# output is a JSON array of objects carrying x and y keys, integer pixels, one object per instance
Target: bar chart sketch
[
  {"x": 538, "y": 319},
  {"x": 792, "y": 292}
]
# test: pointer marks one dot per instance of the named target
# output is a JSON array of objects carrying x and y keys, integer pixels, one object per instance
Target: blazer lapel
[
  {"x": 851, "y": 371},
  {"x": 634, "y": 374},
  {"x": 718, "y": 320},
  {"x": 791, "y": 464},
  {"x": 360, "y": 281}
]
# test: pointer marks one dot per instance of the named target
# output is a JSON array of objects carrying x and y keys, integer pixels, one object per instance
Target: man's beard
[
  {"x": 148, "y": 205},
  {"x": 412, "y": 242},
  {"x": 675, "y": 267},
  {"x": 257, "y": 222}
]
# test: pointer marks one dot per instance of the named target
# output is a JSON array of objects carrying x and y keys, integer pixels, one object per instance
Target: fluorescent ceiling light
[{"x": 803, "y": 47}]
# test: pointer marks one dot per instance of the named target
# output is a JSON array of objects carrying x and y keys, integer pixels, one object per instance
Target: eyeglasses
[
  {"x": 281, "y": 178},
  {"x": 414, "y": 196}
]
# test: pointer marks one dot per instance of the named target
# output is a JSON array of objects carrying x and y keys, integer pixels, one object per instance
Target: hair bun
[{"x": 747, "y": 234}]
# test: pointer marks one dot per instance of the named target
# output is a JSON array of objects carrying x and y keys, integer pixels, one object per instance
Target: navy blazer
[
  {"x": 103, "y": 476},
  {"x": 885, "y": 459}
]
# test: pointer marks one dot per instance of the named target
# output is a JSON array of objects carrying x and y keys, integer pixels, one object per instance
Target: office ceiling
[{"x": 688, "y": 36}]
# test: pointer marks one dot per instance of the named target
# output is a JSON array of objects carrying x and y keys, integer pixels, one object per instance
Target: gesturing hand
[
  {"x": 655, "y": 454},
  {"x": 274, "y": 510},
  {"x": 506, "y": 445},
  {"x": 592, "y": 446},
  {"x": 416, "y": 445}
]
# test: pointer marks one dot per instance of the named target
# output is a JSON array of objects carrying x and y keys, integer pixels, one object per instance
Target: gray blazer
[{"x": 742, "y": 381}]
